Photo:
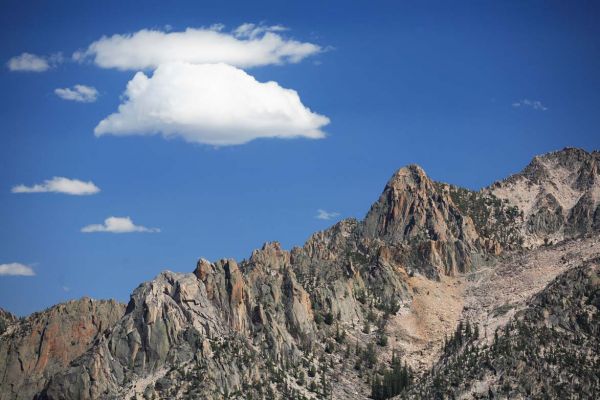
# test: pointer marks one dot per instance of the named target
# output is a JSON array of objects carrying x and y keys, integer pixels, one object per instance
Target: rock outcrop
[
  {"x": 6, "y": 319},
  {"x": 35, "y": 348}
]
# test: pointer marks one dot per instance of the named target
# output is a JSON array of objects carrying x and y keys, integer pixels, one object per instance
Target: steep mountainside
[
  {"x": 549, "y": 350},
  {"x": 362, "y": 308},
  {"x": 35, "y": 348}
]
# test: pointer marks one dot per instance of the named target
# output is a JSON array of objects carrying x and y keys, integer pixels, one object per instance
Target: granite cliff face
[
  {"x": 329, "y": 318},
  {"x": 35, "y": 348}
]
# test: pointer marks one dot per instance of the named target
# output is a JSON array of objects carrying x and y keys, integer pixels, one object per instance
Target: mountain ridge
[{"x": 392, "y": 284}]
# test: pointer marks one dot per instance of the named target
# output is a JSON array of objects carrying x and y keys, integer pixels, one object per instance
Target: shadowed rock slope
[{"x": 331, "y": 317}]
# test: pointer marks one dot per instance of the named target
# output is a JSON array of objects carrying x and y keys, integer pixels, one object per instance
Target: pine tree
[
  {"x": 367, "y": 327},
  {"x": 459, "y": 333},
  {"x": 468, "y": 330},
  {"x": 323, "y": 378},
  {"x": 394, "y": 381},
  {"x": 301, "y": 379}
]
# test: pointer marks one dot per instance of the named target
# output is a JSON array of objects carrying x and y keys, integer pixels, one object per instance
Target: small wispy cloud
[
  {"x": 252, "y": 31},
  {"x": 326, "y": 215},
  {"x": 59, "y": 184},
  {"x": 66, "y": 289},
  {"x": 80, "y": 93},
  {"x": 27, "y": 62},
  {"x": 118, "y": 225},
  {"x": 16, "y": 269},
  {"x": 534, "y": 104}
]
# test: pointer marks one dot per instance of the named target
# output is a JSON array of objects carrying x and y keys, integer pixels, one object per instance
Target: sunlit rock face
[{"x": 416, "y": 212}]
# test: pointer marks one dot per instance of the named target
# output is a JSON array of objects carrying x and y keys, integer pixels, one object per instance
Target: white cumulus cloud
[
  {"x": 27, "y": 62},
  {"x": 215, "y": 104},
  {"x": 118, "y": 225},
  {"x": 326, "y": 215},
  {"x": 248, "y": 45},
  {"x": 60, "y": 184},
  {"x": 80, "y": 93},
  {"x": 534, "y": 104},
  {"x": 16, "y": 269}
]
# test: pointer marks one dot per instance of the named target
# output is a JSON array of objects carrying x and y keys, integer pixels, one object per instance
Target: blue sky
[{"x": 470, "y": 91}]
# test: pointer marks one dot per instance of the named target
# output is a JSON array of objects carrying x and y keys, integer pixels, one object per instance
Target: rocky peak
[
  {"x": 410, "y": 176},
  {"x": 411, "y": 207},
  {"x": 577, "y": 168},
  {"x": 416, "y": 212},
  {"x": 558, "y": 194},
  {"x": 270, "y": 257},
  {"x": 330, "y": 243},
  {"x": 7, "y": 315}
]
